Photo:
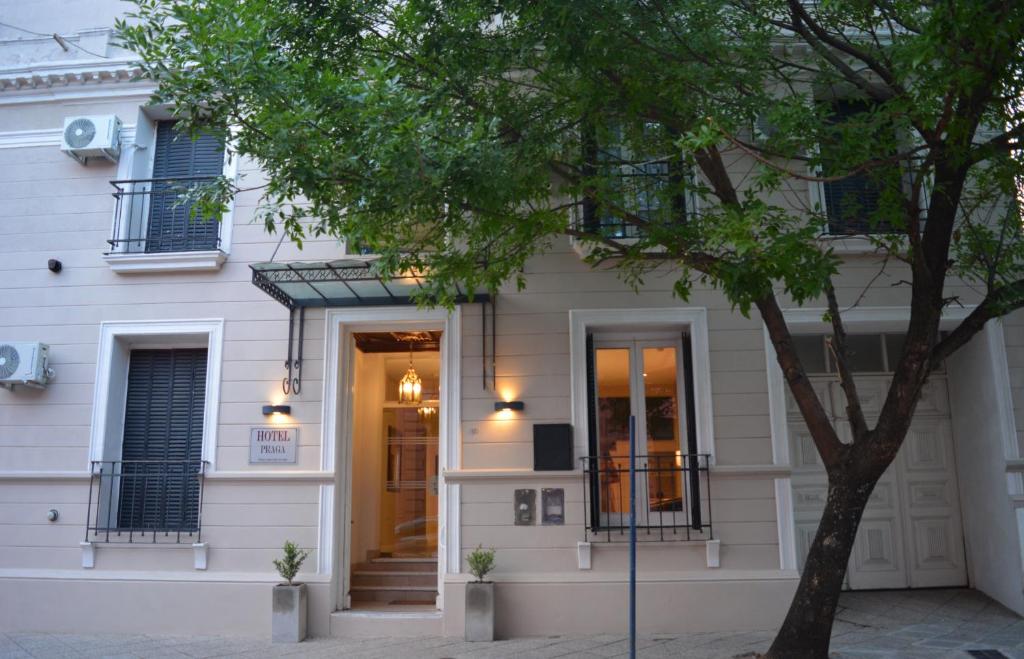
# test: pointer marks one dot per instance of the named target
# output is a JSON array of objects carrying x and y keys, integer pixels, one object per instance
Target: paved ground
[{"x": 932, "y": 623}]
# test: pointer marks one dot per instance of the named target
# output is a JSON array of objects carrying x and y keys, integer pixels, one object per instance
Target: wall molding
[{"x": 25, "y": 139}]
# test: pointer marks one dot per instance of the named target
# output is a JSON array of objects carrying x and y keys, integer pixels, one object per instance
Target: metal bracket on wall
[
  {"x": 293, "y": 383},
  {"x": 492, "y": 303}
]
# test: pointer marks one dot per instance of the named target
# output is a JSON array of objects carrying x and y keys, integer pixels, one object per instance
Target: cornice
[{"x": 49, "y": 75}]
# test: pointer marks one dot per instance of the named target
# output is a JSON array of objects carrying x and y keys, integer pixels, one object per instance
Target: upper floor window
[
  {"x": 634, "y": 188},
  {"x": 155, "y": 214},
  {"x": 852, "y": 203}
]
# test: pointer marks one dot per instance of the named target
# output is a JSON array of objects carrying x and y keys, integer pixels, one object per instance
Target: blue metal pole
[{"x": 632, "y": 537}]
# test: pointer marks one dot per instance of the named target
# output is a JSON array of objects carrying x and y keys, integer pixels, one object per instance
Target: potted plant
[
  {"x": 289, "y": 609},
  {"x": 480, "y": 596}
]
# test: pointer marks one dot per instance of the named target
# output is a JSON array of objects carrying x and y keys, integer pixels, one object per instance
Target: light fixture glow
[
  {"x": 503, "y": 405},
  {"x": 410, "y": 387}
]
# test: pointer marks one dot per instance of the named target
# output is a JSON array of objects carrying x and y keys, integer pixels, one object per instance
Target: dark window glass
[
  {"x": 851, "y": 201},
  {"x": 811, "y": 351}
]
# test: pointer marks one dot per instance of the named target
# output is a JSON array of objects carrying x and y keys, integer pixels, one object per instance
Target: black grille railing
[
  {"x": 673, "y": 497},
  {"x": 145, "y": 501},
  {"x": 155, "y": 215}
]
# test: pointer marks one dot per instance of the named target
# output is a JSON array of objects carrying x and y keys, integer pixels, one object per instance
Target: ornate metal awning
[
  {"x": 343, "y": 283},
  {"x": 346, "y": 283}
]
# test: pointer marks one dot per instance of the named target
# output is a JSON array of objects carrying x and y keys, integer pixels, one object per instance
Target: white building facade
[{"x": 149, "y": 484}]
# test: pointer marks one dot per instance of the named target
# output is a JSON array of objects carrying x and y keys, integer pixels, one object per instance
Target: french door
[{"x": 641, "y": 377}]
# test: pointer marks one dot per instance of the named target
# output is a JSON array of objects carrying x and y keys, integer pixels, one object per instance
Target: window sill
[
  {"x": 166, "y": 262},
  {"x": 853, "y": 244}
]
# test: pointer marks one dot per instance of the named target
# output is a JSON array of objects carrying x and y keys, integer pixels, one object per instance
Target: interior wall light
[
  {"x": 276, "y": 409},
  {"x": 515, "y": 405}
]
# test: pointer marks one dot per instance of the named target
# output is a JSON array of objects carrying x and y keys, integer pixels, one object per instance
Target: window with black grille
[
  {"x": 161, "y": 459},
  {"x": 180, "y": 164},
  {"x": 852, "y": 202},
  {"x": 636, "y": 189}
]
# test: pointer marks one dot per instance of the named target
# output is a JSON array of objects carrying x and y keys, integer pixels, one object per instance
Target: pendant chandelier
[{"x": 410, "y": 387}]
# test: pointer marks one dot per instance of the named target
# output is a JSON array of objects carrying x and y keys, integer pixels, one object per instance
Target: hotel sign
[{"x": 272, "y": 445}]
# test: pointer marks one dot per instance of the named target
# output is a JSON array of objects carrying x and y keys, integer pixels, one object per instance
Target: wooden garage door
[{"x": 911, "y": 535}]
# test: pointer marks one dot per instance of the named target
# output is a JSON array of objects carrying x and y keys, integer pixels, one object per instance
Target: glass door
[{"x": 639, "y": 377}]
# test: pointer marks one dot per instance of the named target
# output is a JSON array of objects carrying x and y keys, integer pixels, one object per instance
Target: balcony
[
  {"x": 156, "y": 227},
  {"x": 152, "y": 501},
  {"x": 673, "y": 498}
]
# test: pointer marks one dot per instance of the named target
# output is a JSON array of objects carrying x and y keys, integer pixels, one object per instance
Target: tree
[{"x": 459, "y": 137}]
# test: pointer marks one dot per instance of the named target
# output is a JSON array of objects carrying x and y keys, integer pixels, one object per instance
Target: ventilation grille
[
  {"x": 80, "y": 133},
  {"x": 9, "y": 361}
]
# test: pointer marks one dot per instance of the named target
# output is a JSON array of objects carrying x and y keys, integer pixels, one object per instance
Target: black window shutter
[
  {"x": 171, "y": 225},
  {"x": 693, "y": 462},
  {"x": 163, "y": 438},
  {"x": 594, "y": 458}
]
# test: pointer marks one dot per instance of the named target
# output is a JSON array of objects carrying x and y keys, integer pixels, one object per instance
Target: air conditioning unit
[
  {"x": 97, "y": 136},
  {"x": 24, "y": 363}
]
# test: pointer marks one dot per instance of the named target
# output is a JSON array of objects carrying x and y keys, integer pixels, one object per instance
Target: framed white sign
[{"x": 273, "y": 445}]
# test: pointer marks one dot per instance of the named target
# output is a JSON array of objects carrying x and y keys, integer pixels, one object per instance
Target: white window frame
[
  {"x": 117, "y": 339},
  {"x": 138, "y": 151},
  {"x": 642, "y": 321}
]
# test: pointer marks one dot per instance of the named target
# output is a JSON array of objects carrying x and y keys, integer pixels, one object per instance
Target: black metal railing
[
  {"x": 156, "y": 215},
  {"x": 145, "y": 501},
  {"x": 673, "y": 497}
]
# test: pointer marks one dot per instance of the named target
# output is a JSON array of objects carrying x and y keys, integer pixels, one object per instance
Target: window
[
  {"x": 648, "y": 187},
  {"x": 852, "y": 202},
  {"x": 867, "y": 353},
  {"x": 153, "y": 214},
  {"x": 153, "y": 430},
  {"x": 649, "y": 378},
  {"x": 161, "y": 453}
]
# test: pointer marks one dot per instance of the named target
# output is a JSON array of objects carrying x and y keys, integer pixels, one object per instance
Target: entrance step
[
  {"x": 397, "y": 581},
  {"x": 376, "y": 620}
]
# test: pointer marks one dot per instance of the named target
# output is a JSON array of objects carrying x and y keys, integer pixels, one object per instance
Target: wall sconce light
[
  {"x": 276, "y": 409},
  {"x": 515, "y": 405}
]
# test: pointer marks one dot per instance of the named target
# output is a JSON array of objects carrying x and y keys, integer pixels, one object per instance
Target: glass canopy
[{"x": 342, "y": 283}]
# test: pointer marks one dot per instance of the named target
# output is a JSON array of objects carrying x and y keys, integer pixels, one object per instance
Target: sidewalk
[{"x": 926, "y": 623}]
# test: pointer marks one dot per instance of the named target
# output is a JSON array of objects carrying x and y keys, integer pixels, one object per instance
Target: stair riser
[
  {"x": 404, "y": 580},
  {"x": 387, "y": 566},
  {"x": 393, "y": 596}
]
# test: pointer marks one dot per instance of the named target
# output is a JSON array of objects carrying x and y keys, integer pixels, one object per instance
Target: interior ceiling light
[{"x": 410, "y": 387}]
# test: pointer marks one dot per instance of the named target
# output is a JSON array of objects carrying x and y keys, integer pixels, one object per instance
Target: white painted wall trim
[
  {"x": 45, "y": 475},
  {"x": 337, "y": 424},
  {"x": 20, "y": 139},
  {"x": 325, "y": 529},
  {"x": 787, "y": 527},
  {"x": 254, "y": 475},
  {"x": 124, "y": 335},
  {"x": 128, "y": 263},
  {"x": 93, "y": 92},
  {"x": 695, "y": 319}
]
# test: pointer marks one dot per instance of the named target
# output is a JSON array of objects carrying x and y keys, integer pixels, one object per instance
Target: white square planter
[
  {"x": 288, "y": 623},
  {"x": 480, "y": 611}
]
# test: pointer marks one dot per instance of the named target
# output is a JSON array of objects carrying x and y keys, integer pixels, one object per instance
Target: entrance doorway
[{"x": 396, "y": 403}]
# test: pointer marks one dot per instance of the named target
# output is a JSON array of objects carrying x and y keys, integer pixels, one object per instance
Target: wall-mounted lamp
[
  {"x": 516, "y": 405},
  {"x": 277, "y": 409}
]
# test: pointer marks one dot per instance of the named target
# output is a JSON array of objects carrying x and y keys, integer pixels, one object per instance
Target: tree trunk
[{"x": 806, "y": 632}]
